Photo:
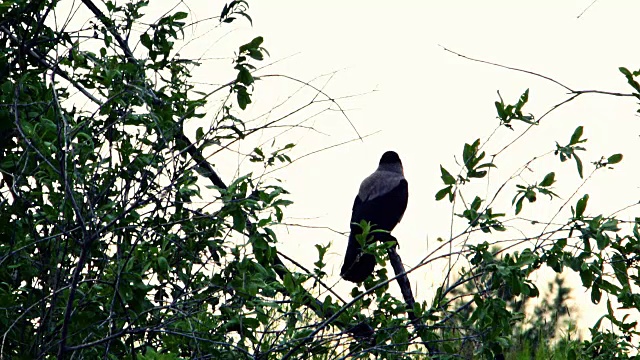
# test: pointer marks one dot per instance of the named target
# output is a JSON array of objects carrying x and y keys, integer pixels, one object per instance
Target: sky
[
  {"x": 386, "y": 64},
  {"x": 425, "y": 103}
]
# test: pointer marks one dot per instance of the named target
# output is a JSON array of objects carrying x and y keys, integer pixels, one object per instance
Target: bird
[{"x": 381, "y": 200}]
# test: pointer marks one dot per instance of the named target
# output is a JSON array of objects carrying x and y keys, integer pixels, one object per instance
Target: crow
[{"x": 381, "y": 201}]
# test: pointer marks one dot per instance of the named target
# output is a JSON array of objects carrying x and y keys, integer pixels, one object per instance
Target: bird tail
[{"x": 357, "y": 265}]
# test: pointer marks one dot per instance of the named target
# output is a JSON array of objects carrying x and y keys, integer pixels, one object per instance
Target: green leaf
[
  {"x": 530, "y": 195},
  {"x": 549, "y": 179},
  {"x": 610, "y": 225},
  {"x": 256, "y": 54},
  {"x": 602, "y": 240},
  {"x": 475, "y": 204},
  {"x": 477, "y": 174},
  {"x": 238, "y": 221},
  {"x": 288, "y": 282},
  {"x": 145, "y": 40},
  {"x": 447, "y": 178},
  {"x": 579, "y": 165},
  {"x": 586, "y": 276},
  {"x": 614, "y": 159},
  {"x": 442, "y": 193},
  {"x": 199, "y": 133},
  {"x": 243, "y": 97},
  {"x": 630, "y": 79},
  {"x": 500, "y": 108},
  {"x": 246, "y": 16},
  {"x": 581, "y": 206},
  {"x": 523, "y": 100},
  {"x": 575, "y": 138},
  {"x": 625, "y": 71},
  {"x": 596, "y": 294},
  {"x": 254, "y": 44},
  {"x": 486, "y": 165},
  {"x": 467, "y": 153},
  {"x": 180, "y": 15},
  {"x": 519, "y": 205},
  {"x": 163, "y": 264},
  {"x": 244, "y": 76},
  {"x": 619, "y": 265}
]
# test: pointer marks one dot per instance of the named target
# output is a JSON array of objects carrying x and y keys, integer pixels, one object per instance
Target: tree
[
  {"x": 107, "y": 252},
  {"x": 111, "y": 248},
  {"x": 595, "y": 247}
]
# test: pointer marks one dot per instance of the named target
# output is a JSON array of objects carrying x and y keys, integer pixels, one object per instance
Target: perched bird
[{"x": 381, "y": 201}]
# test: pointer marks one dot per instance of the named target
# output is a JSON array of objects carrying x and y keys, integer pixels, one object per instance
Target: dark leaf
[
  {"x": 523, "y": 100},
  {"x": 145, "y": 40},
  {"x": 486, "y": 165},
  {"x": 246, "y": 16},
  {"x": 442, "y": 193},
  {"x": 244, "y": 76},
  {"x": 581, "y": 206},
  {"x": 447, "y": 178},
  {"x": 477, "y": 174},
  {"x": 577, "y": 133},
  {"x": 548, "y": 180},
  {"x": 602, "y": 240},
  {"x": 619, "y": 265},
  {"x": 586, "y": 276},
  {"x": 596, "y": 294},
  {"x": 519, "y": 205},
  {"x": 180, "y": 15},
  {"x": 579, "y": 165},
  {"x": 614, "y": 159}
]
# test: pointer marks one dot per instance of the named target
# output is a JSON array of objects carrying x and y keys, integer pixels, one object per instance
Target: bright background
[{"x": 428, "y": 102}]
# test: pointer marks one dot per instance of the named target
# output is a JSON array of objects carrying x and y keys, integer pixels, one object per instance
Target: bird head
[{"x": 391, "y": 158}]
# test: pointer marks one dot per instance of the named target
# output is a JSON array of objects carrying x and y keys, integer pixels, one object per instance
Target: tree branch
[
  {"x": 41, "y": 59},
  {"x": 405, "y": 288},
  {"x": 107, "y": 24},
  {"x": 571, "y": 91}
]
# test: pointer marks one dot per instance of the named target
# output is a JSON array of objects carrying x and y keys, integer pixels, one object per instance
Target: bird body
[{"x": 381, "y": 200}]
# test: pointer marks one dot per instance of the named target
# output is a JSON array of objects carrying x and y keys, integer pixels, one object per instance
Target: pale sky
[
  {"x": 427, "y": 103},
  {"x": 430, "y": 102}
]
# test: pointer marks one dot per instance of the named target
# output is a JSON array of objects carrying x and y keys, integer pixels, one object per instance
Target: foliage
[
  {"x": 595, "y": 247},
  {"x": 105, "y": 249},
  {"x": 549, "y": 331},
  {"x": 119, "y": 238}
]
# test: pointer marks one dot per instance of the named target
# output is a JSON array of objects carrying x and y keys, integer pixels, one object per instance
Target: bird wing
[{"x": 384, "y": 210}]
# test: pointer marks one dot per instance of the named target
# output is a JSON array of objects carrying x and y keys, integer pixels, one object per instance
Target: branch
[
  {"x": 41, "y": 59},
  {"x": 72, "y": 292},
  {"x": 403, "y": 281},
  {"x": 405, "y": 288},
  {"x": 319, "y": 92},
  {"x": 509, "y": 68},
  {"x": 107, "y": 24},
  {"x": 571, "y": 91},
  {"x": 315, "y": 277}
]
